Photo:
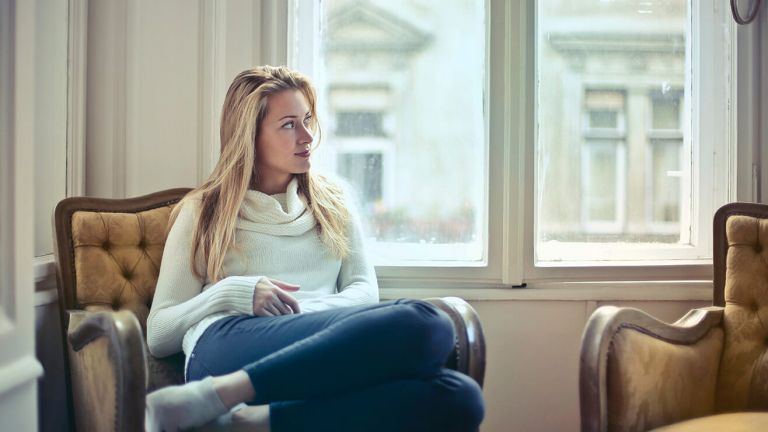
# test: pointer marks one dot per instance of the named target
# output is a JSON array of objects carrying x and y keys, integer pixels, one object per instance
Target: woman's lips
[{"x": 305, "y": 153}]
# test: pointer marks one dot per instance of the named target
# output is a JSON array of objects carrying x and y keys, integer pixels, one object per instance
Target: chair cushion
[
  {"x": 743, "y": 377},
  {"x": 117, "y": 257},
  {"x": 734, "y": 422}
]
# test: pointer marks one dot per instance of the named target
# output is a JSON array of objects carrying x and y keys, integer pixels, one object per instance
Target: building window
[
  {"x": 365, "y": 171},
  {"x": 359, "y": 123},
  {"x": 602, "y": 181},
  {"x": 602, "y": 163}
]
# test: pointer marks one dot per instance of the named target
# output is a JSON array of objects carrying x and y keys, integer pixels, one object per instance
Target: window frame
[
  {"x": 510, "y": 81},
  {"x": 680, "y": 269},
  {"x": 490, "y": 271}
]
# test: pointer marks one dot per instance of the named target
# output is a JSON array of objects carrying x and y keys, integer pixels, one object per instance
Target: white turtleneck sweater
[{"x": 275, "y": 237}]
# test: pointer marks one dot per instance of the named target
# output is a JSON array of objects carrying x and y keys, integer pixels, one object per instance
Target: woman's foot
[
  {"x": 251, "y": 419},
  {"x": 242, "y": 418},
  {"x": 181, "y": 407}
]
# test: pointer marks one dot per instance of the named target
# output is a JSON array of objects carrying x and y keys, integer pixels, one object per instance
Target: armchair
[
  {"x": 108, "y": 256},
  {"x": 708, "y": 370}
]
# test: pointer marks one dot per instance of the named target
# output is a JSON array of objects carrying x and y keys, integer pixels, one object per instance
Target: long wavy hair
[{"x": 221, "y": 195}]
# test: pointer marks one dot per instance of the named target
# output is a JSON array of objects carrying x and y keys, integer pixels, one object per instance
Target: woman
[{"x": 266, "y": 288}]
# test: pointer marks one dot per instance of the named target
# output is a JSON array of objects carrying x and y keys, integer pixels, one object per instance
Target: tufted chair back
[
  {"x": 108, "y": 256},
  {"x": 741, "y": 285}
]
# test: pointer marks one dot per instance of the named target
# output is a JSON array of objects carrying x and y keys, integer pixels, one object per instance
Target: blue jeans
[{"x": 363, "y": 368}]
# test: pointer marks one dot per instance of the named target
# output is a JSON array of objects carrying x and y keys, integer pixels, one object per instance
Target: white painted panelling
[
  {"x": 77, "y": 61},
  {"x": 157, "y": 76},
  {"x": 50, "y": 118},
  {"x": 163, "y": 97},
  {"x": 24, "y": 32},
  {"x": 105, "y": 32}
]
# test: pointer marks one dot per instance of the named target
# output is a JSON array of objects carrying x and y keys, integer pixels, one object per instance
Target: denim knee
[
  {"x": 456, "y": 402},
  {"x": 428, "y": 329}
]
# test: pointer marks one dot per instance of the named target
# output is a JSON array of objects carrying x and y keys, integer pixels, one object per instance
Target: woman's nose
[{"x": 305, "y": 137}]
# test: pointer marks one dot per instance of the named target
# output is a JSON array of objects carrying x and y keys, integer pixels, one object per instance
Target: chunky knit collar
[{"x": 284, "y": 214}]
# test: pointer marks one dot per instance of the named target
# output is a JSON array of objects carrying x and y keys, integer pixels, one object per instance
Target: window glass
[
  {"x": 401, "y": 101},
  {"x": 611, "y": 77}
]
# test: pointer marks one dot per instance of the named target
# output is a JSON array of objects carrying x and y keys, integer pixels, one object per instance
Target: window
[
  {"x": 408, "y": 135},
  {"x": 595, "y": 160},
  {"x": 634, "y": 73}
]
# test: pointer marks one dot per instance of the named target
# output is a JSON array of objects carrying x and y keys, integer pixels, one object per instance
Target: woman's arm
[
  {"x": 179, "y": 301},
  {"x": 356, "y": 283}
]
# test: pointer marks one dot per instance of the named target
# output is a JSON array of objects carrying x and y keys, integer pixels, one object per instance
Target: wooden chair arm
[
  {"x": 598, "y": 338},
  {"x": 108, "y": 370},
  {"x": 469, "y": 355}
]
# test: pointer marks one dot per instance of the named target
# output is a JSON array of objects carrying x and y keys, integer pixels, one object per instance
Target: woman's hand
[{"x": 270, "y": 298}]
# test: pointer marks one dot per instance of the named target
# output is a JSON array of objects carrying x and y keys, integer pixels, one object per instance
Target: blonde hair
[{"x": 221, "y": 195}]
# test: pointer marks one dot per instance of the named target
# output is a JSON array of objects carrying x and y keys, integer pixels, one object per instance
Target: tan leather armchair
[
  {"x": 108, "y": 256},
  {"x": 706, "y": 372}
]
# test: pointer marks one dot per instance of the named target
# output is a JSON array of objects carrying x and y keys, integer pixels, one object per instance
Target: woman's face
[{"x": 284, "y": 141}]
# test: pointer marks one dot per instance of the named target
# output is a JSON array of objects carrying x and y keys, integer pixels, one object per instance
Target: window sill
[
  {"x": 570, "y": 291},
  {"x": 45, "y": 280}
]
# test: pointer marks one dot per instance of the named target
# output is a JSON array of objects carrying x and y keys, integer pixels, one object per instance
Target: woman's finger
[
  {"x": 284, "y": 310},
  {"x": 288, "y": 300},
  {"x": 269, "y": 307},
  {"x": 285, "y": 285}
]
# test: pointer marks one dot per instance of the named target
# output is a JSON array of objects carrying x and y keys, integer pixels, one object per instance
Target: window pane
[
  {"x": 364, "y": 170},
  {"x": 665, "y": 176},
  {"x": 666, "y": 111},
  {"x": 603, "y": 119},
  {"x": 610, "y": 76},
  {"x": 401, "y": 100}
]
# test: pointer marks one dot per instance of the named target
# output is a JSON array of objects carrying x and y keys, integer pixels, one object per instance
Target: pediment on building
[{"x": 364, "y": 27}]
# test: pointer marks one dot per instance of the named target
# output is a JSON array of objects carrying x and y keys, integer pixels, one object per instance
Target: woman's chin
[{"x": 302, "y": 168}]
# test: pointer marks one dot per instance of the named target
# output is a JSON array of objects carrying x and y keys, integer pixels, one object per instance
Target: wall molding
[
  {"x": 273, "y": 39},
  {"x": 77, "y": 67},
  {"x": 120, "y": 106},
  {"x": 212, "y": 55},
  {"x": 25, "y": 370}
]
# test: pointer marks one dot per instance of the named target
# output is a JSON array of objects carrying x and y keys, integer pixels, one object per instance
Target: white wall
[
  {"x": 157, "y": 76},
  {"x": 532, "y": 375}
]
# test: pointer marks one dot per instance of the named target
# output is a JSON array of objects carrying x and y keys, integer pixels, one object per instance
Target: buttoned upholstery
[
  {"x": 638, "y": 373},
  {"x": 743, "y": 377},
  {"x": 117, "y": 258}
]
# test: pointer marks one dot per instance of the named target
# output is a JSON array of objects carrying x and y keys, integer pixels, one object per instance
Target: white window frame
[
  {"x": 510, "y": 225},
  {"x": 667, "y": 268},
  {"x": 490, "y": 272}
]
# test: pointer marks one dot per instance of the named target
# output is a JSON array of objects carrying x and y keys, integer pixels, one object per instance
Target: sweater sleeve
[
  {"x": 180, "y": 300},
  {"x": 356, "y": 284}
]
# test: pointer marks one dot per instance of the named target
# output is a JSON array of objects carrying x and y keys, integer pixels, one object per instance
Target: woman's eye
[
  {"x": 289, "y": 125},
  {"x": 307, "y": 121}
]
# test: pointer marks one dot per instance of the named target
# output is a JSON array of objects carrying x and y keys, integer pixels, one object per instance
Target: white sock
[{"x": 181, "y": 407}]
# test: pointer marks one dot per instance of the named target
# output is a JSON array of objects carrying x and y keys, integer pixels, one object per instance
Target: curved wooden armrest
[
  {"x": 469, "y": 355},
  {"x": 598, "y": 336},
  {"x": 108, "y": 370}
]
